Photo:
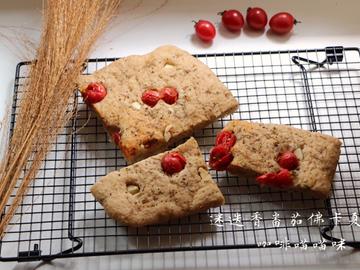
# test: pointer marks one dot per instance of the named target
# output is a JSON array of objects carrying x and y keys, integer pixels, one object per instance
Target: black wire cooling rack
[{"x": 316, "y": 89}]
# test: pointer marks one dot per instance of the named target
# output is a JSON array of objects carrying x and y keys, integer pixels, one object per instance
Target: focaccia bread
[
  {"x": 143, "y": 194},
  {"x": 141, "y": 130},
  {"x": 307, "y": 160}
]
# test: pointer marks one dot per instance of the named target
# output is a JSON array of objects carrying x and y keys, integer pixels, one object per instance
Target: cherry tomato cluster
[
  {"x": 256, "y": 19},
  {"x": 220, "y": 155},
  {"x": 283, "y": 178},
  {"x": 168, "y": 94}
]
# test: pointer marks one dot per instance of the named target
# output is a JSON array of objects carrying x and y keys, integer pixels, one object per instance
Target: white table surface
[{"x": 143, "y": 25}]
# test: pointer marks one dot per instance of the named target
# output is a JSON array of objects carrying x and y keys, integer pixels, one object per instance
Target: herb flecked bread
[
  {"x": 258, "y": 147},
  {"x": 145, "y": 130},
  {"x": 142, "y": 194}
]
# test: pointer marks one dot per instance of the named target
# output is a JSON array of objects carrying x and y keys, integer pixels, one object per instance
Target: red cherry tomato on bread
[
  {"x": 283, "y": 179},
  {"x": 226, "y": 138},
  {"x": 288, "y": 160},
  {"x": 256, "y": 18},
  {"x": 116, "y": 137},
  {"x": 169, "y": 95},
  {"x": 205, "y": 30},
  {"x": 94, "y": 92},
  {"x": 282, "y": 23},
  {"x": 232, "y": 19},
  {"x": 173, "y": 162},
  {"x": 266, "y": 179},
  {"x": 220, "y": 157},
  {"x": 150, "y": 97}
]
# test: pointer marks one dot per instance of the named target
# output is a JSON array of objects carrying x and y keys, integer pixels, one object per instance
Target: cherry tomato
[
  {"x": 288, "y": 160},
  {"x": 256, "y": 18},
  {"x": 282, "y": 23},
  {"x": 205, "y": 30},
  {"x": 150, "y": 97},
  {"x": 220, "y": 157},
  {"x": 266, "y": 179},
  {"x": 169, "y": 95},
  {"x": 94, "y": 92},
  {"x": 283, "y": 179},
  {"x": 226, "y": 138},
  {"x": 116, "y": 137},
  {"x": 232, "y": 19},
  {"x": 173, "y": 162}
]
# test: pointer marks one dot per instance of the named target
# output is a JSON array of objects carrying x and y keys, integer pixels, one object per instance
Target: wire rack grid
[{"x": 315, "y": 89}]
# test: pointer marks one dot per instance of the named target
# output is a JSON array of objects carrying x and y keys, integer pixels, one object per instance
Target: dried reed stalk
[{"x": 70, "y": 29}]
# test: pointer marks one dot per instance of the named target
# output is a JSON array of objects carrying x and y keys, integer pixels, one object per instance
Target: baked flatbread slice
[
  {"x": 142, "y": 194},
  {"x": 258, "y": 148},
  {"x": 142, "y": 130}
]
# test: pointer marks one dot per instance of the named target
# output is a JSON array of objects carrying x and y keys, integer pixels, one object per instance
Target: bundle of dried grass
[{"x": 70, "y": 29}]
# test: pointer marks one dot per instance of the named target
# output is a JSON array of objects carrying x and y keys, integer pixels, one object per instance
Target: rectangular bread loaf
[
  {"x": 258, "y": 147},
  {"x": 143, "y": 194},
  {"x": 141, "y": 130}
]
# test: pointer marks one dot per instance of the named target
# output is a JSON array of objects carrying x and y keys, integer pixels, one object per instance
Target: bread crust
[
  {"x": 161, "y": 197},
  {"x": 146, "y": 130},
  {"x": 258, "y": 146}
]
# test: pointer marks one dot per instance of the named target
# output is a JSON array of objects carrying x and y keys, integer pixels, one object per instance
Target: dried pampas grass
[{"x": 70, "y": 29}]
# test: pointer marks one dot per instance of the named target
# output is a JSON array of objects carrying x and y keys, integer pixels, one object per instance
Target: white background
[{"x": 141, "y": 26}]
